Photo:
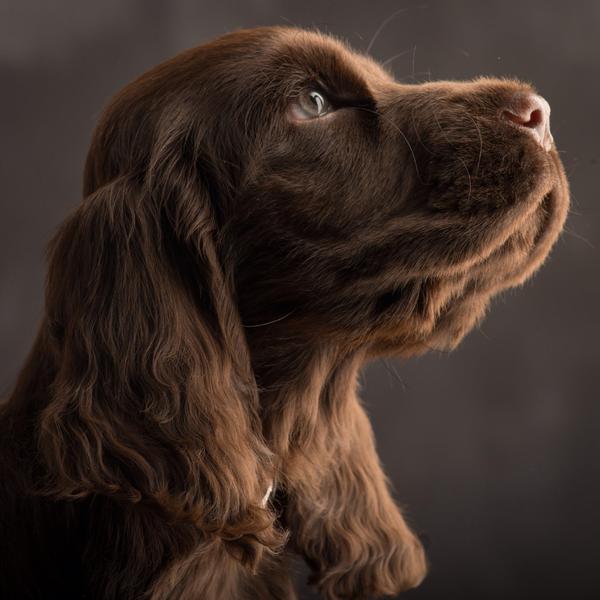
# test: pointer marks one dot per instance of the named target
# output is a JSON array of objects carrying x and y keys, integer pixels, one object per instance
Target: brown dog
[{"x": 262, "y": 214}]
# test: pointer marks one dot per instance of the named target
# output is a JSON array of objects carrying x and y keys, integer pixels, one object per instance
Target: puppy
[{"x": 262, "y": 214}]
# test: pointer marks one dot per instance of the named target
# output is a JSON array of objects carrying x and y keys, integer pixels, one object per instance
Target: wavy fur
[{"x": 211, "y": 302}]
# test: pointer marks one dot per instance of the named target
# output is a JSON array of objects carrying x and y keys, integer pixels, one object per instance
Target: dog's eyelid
[
  {"x": 347, "y": 99},
  {"x": 343, "y": 93},
  {"x": 313, "y": 85},
  {"x": 340, "y": 94}
]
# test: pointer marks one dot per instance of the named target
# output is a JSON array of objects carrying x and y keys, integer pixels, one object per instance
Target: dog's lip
[
  {"x": 554, "y": 207},
  {"x": 442, "y": 339},
  {"x": 548, "y": 209},
  {"x": 550, "y": 206}
]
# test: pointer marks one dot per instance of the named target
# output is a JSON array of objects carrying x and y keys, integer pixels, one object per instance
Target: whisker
[
  {"x": 458, "y": 157},
  {"x": 269, "y": 322},
  {"x": 577, "y": 236},
  {"x": 387, "y": 120},
  {"x": 416, "y": 132},
  {"x": 483, "y": 333},
  {"x": 413, "y": 78},
  {"x": 480, "y": 141},
  {"x": 288, "y": 21},
  {"x": 383, "y": 26},
  {"x": 392, "y": 370},
  {"x": 387, "y": 61}
]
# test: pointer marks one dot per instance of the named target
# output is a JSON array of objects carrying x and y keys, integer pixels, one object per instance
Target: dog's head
[
  {"x": 352, "y": 207},
  {"x": 268, "y": 188}
]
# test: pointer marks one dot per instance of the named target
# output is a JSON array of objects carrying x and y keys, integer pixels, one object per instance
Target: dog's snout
[{"x": 532, "y": 113}]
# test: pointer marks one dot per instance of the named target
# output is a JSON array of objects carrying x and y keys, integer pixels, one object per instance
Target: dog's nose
[{"x": 532, "y": 113}]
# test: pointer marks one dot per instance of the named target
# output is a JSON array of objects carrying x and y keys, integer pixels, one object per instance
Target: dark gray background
[{"x": 492, "y": 449}]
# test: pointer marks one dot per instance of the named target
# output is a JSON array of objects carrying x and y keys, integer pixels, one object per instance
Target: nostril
[
  {"x": 531, "y": 112},
  {"x": 531, "y": 120},
  {"x": 535, "y": 118}
]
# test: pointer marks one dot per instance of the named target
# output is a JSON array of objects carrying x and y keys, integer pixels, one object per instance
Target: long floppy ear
[{"x": 153, "y": 398}]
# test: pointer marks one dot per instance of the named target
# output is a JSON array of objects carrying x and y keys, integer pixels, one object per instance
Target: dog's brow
[
  {"x": 330, "y": 61},
  {"x": 347, "y": 72}
]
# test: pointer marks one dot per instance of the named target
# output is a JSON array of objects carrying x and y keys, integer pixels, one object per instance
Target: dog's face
[
  {"x": 359, "y": 209},
  {"x": 385, "y": 212}
]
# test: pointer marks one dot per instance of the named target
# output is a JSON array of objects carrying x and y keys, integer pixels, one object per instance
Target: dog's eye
[{"x": 310, "y": 105}]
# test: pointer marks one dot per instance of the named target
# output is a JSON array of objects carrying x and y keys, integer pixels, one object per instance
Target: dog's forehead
[{"x": 319, "y": 50}]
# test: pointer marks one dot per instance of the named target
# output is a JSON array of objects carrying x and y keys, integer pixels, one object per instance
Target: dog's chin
[{"x": 507, "y": 266}]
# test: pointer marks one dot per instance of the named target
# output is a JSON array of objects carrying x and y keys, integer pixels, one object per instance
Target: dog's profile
[{"x": 261, "y": 215}]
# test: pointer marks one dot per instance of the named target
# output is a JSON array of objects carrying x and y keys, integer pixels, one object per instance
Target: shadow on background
[{"x": 492, "y": 449}]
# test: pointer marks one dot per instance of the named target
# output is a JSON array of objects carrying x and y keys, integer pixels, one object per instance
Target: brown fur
[{"x": 209, "y": 306}]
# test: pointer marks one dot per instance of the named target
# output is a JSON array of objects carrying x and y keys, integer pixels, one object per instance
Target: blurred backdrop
[{"x": 493, "y": 449}]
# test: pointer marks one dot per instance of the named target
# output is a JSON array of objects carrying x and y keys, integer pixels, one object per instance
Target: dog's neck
[{"x": 304, "y": 391}]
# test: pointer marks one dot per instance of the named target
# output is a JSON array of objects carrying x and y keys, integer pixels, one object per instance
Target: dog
[{"x": 261, "y": 215}]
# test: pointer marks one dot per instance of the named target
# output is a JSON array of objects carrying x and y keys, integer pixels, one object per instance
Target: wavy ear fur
[{"x": 153, "y": 398}]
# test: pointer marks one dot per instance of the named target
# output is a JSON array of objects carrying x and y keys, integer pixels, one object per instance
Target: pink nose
[{"x": 532, "y": 113}]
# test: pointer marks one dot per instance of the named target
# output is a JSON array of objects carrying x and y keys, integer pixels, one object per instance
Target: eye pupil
[{"x": 318, "y": 101}]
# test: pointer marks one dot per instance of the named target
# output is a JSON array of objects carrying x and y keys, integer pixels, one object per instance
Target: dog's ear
[{"x": 153, "y": 397}]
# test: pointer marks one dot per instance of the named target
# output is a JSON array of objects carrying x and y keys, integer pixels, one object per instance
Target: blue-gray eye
[{"x": 311, "y": 105}]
